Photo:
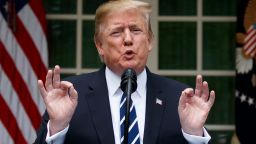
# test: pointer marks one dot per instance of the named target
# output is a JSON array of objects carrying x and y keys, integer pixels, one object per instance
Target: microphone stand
[
  {"x": 127, "y": 113},
  {"x": 128, "y": 86}
]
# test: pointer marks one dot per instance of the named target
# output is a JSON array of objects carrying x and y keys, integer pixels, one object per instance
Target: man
[{"x": 124, "y": 39}]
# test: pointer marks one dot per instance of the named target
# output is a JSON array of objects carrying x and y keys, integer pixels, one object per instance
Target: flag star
[
  {"x": 158, "y": 101},
  {"x": 250, "y": 101},
  {"x": 243, "y": 98}
]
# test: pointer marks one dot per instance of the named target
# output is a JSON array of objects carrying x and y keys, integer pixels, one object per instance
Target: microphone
[
  {"x": 129, "y": 78},
  {"x": 128, "y": 86}
]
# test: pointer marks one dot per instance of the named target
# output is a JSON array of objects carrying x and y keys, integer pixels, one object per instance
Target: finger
[
  {"x": 199, "y": 85},
  {"x": 73, "y": 94},
  {"x": 185, "y": 96},
  {"x": 42, "y": 89},
  {"x": 48, "y": 80},
  {"x": 212, "y": 98},
  {"x": 56, "y": 77},
  {"x": 189, "y": 92},
  {"x": 205, "y": 93},
  {"x": 65, "y": 85}
]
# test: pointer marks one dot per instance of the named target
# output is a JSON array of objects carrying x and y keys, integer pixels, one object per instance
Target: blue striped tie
[{"x": 133, "y": 134}]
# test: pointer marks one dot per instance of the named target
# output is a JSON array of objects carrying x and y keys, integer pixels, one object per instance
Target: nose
[{"x": 128, "y": 38}]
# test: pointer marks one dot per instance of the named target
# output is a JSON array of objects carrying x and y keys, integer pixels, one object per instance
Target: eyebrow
[{"x": 119, "y": 26}]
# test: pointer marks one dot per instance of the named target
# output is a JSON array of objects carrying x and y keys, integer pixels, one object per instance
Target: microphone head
[{"x": 129, "y": 74}]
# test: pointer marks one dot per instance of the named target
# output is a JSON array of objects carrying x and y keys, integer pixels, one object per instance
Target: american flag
[
  {"x": 245, "y": 80},
  {"x": 250, "y": 41},
  {"x": 23, "y": 60}
]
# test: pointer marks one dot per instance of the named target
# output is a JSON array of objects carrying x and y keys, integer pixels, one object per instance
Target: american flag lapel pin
[{"x": 159, "y": 102}]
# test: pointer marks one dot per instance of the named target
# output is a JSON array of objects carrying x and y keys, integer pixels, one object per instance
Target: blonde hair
[{"x": 117, "y": 5}]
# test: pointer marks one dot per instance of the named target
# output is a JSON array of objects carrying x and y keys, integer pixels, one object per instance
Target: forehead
[{"x": 125, "y": 17}]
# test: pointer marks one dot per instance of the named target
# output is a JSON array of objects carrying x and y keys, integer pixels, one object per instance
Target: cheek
[
  {"x": 107, "y": 47},
  {"x": 112, "y": 53},
  {"x": 144, "y": 48},
  {"x": 114, "y": 47},
  {"x": 113, "y": 42}
]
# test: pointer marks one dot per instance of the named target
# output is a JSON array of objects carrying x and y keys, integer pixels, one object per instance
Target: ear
[
  {"x": 151, "y": 43},
  {"x": 98, "y": 45}
]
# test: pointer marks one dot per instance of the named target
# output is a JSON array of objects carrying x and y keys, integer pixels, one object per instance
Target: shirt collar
[{"x": 114, "y": 80}]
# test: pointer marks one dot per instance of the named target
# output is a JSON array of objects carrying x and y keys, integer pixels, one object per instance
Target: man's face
[{"x": 124, "y": 41}]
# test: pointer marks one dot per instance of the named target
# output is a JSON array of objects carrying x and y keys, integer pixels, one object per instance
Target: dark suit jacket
[{"x": 92, "y": 123}]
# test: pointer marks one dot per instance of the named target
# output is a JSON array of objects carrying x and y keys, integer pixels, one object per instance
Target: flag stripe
[
  {"x": 30, "y": 80},
  {"x": 249, "y": 34},
  {"x": 4, "y": 135},
  {"x": 253, "y": 53},
  {"x": 23, "y": 60},
  {"x": 37, "y": 35},
  {"x": 250, "y": 41},
  {"x": 22, "y": 64},
  {"x": 10, "y": 123},
  {"x": 29, "y": 48},
  {"x": 39, "y": 12},
  {"x": 20, "y": 87},
  {"x": 250, "y": 47},
  {"x": 12, "y": 100}
]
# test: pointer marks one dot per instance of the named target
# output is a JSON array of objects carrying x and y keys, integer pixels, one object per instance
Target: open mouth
[{"x": 129, "y": 54}]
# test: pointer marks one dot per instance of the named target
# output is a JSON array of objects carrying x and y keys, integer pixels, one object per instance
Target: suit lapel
[
  {"x": 99, "y": 106},
  {"x": 154, "y": 110}
]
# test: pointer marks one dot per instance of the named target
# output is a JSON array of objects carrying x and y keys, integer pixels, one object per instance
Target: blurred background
[{"x": 191, "y": 37}]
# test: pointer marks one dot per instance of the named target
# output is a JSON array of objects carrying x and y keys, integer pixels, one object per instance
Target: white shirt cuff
[
  {"x": 192, "y": 139},
  {"x": 57, "y": 138}
]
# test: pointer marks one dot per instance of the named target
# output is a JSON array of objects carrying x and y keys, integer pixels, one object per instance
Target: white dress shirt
[
  {"x": 139, "y": 100},
  {"x": 138, "y": 97}
]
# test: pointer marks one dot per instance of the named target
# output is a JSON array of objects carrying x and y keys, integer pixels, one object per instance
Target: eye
[
  {"x": 136, "y": 30},
  {"x": 115, "y": 33}
]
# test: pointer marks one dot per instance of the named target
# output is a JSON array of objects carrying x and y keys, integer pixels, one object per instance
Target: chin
[
  {"x": 133, "y": 65},
  {"x": 126, "y": 66},
  {"x": 138, "y": 70}
]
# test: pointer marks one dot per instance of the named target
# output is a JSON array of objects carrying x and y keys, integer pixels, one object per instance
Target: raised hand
[
  {"x": 60, "y": 99},
  {"x": 194, "y": 107}
]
